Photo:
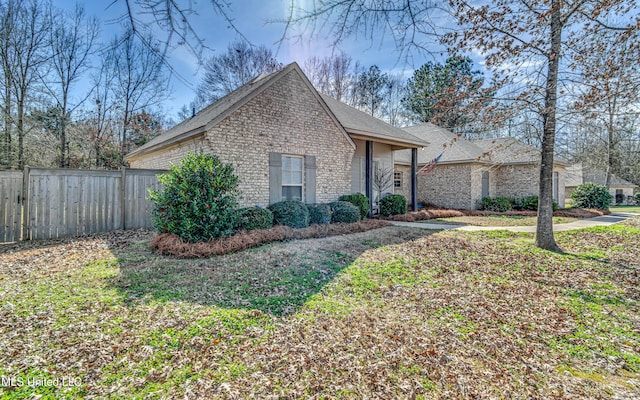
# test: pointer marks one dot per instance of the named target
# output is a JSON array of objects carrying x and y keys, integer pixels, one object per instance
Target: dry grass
[{"x": 388, "y": 313}]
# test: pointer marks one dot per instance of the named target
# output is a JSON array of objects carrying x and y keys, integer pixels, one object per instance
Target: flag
[{"x": 431, "y": 166}]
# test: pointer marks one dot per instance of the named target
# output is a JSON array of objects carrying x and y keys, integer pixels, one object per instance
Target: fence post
[
  {"x": 26, "y": 213},
  {"x": 123, "y": 188}
]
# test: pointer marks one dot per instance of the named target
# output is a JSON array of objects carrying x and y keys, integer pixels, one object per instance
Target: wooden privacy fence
[{"x": 52, "y": 203}]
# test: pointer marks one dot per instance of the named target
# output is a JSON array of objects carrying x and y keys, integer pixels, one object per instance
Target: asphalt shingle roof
[
  {"x": 358, "y": 122},
  {"x": 354, "y": 121},
  {"x": 577, "y": 175},
  {"x": 454, "y": 149}
]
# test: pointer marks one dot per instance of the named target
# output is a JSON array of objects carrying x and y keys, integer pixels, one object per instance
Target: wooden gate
[{"x": 10, "y": 206}]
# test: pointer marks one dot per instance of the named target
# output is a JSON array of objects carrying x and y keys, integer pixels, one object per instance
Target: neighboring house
[
  {"x": 621, "y": 191},
  {"x": 467, "y": 170},
  {"x": 284, "y": 140}
]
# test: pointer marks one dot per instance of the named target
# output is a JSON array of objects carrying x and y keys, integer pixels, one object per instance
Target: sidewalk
[{"x": 604, "y": 220}]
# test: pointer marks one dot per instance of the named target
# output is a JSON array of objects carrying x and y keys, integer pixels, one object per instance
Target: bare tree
[
  {"x": 411, "y": 25},
  {"x": 28, "y": 53},
  {"x": 227, "y": 72},
  {"x": 99, "y": 122},
  {"x": 514, "y": 36},
  {"x": 138, "y": 81},
  {"x": 7, "y": 28},
  {"x": 170, "y": 23},
  {"x": 334, "y": 76},
  {"x": 73, "y": 37},
  {"x": 382, "y": 180},
  {"x": 612, "y": 92}
]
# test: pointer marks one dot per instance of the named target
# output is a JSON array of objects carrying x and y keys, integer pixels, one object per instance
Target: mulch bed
[
  {"x": 171, "y": 244},
  {"x": 434, "y": 213}
]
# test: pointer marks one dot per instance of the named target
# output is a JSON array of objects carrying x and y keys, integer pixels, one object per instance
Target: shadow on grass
[{"x": 277, "y": 278}]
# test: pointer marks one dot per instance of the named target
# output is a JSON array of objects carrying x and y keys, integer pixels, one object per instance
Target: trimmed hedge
[
  {"x": 359, "y": 200},
  {"x": 343, "y": 211},
  {"x": 290, "y": 213},
  {"x": 531, "y": 203},
  {"x": 393, "y": 204},
  {"x": 319, "y": 213},
  {"x": 198, "y": 199},
  {"x": 636, "y": 198},
  {"x": 591, "y": 195},
  {"x": 252, "y": 218},
  {"x": 499, "y": 204}
]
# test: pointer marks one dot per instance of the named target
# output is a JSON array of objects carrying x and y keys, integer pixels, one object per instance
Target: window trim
[
  {"x": 398, "y": 179},
  {"x": 302, "y": 172}
]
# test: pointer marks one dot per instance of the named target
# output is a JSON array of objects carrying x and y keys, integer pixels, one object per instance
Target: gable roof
[
  {"x": 362, "y": 125},
  {"x": 216, "y": 112},
  {"x": 454, "y": 149},
  {"x": 457, "y": 150},
  {"x": 596, "y": 176},
  {"x": 348, "y": 119},
  {"x": 508, "y": 150}
]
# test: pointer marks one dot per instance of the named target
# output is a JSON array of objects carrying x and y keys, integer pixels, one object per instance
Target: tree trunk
[
  {"x": 63, "y": 142},
  {"x": 610, "y": 139},
  {"x": 6, "y": 149},
  {"x": 544, "y": 229},
  {"x": 20, "y": 126}
]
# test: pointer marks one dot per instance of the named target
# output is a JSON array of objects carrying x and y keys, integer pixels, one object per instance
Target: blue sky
[{"x": 251, "y": 18}]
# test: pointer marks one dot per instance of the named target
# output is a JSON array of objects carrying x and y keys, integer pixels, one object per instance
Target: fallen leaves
[{"x": 389, "y": 313}]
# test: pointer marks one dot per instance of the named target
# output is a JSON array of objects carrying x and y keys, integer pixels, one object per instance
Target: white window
[
  {"x": 292, "y": 172},
  {"x": 397, "y": 179}
]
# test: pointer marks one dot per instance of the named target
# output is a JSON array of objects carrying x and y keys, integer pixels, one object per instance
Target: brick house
[
  {"x": 621, "y": 191},
  {"x": 285, "y": 141},
  {"x": 470, "y": 170}
]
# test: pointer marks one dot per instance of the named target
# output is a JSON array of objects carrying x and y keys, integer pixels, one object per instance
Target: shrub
[
  {"x": 636, "y": 198},
  {"x": 393, "y": 204},
  {"x": 499, "y": 204},
  {"x": 198, "y": 199},
  {"x": 319, "y": 213},
  {"x": 343, "y": 211},
  {"x": 359, "y": 200},
  {"x": 591, "y": 195},
  {"x": 290, "y": 213},
  {"x": 531, "y": 203},
  {"x": 252, "y": 218}
]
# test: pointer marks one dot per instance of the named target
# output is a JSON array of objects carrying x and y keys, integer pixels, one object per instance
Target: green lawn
[
  {"x": 390, "y": 313},
  {"x": 628, "y": 209}
]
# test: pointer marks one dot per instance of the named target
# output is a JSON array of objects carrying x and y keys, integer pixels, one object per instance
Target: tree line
[
  {"x": 453, "y": 94},
  {"x": 48, "y": 118}
]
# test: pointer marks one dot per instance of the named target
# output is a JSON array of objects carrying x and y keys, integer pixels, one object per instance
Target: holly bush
[
  {"x": 393, "y": 204},
  {"x": 198, "y": 199},
  {"x": 359, "y": 200},
  {"x": 344, "y": 211},
  {"x": 591, "y": 195}
]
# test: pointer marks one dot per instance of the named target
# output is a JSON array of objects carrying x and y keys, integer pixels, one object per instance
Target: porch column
[
  {"x": 368, "y": 174},
  {"x": 414, "y": 179}
]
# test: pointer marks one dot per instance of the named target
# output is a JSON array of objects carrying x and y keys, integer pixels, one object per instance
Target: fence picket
[{"x": 70, "y": 202}]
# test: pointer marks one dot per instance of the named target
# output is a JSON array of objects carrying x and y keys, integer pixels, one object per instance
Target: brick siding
[{"x": 285, "y": 118}]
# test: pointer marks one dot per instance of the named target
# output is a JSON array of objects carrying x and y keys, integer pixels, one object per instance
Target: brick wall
[
  {"x": 460, "y": 185},
  {"x": 172, "y": 154},
  {"x": 515, "y": 181},
  {"x": 285, "y": 118},
  {"x": 447, "y": 186}
]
